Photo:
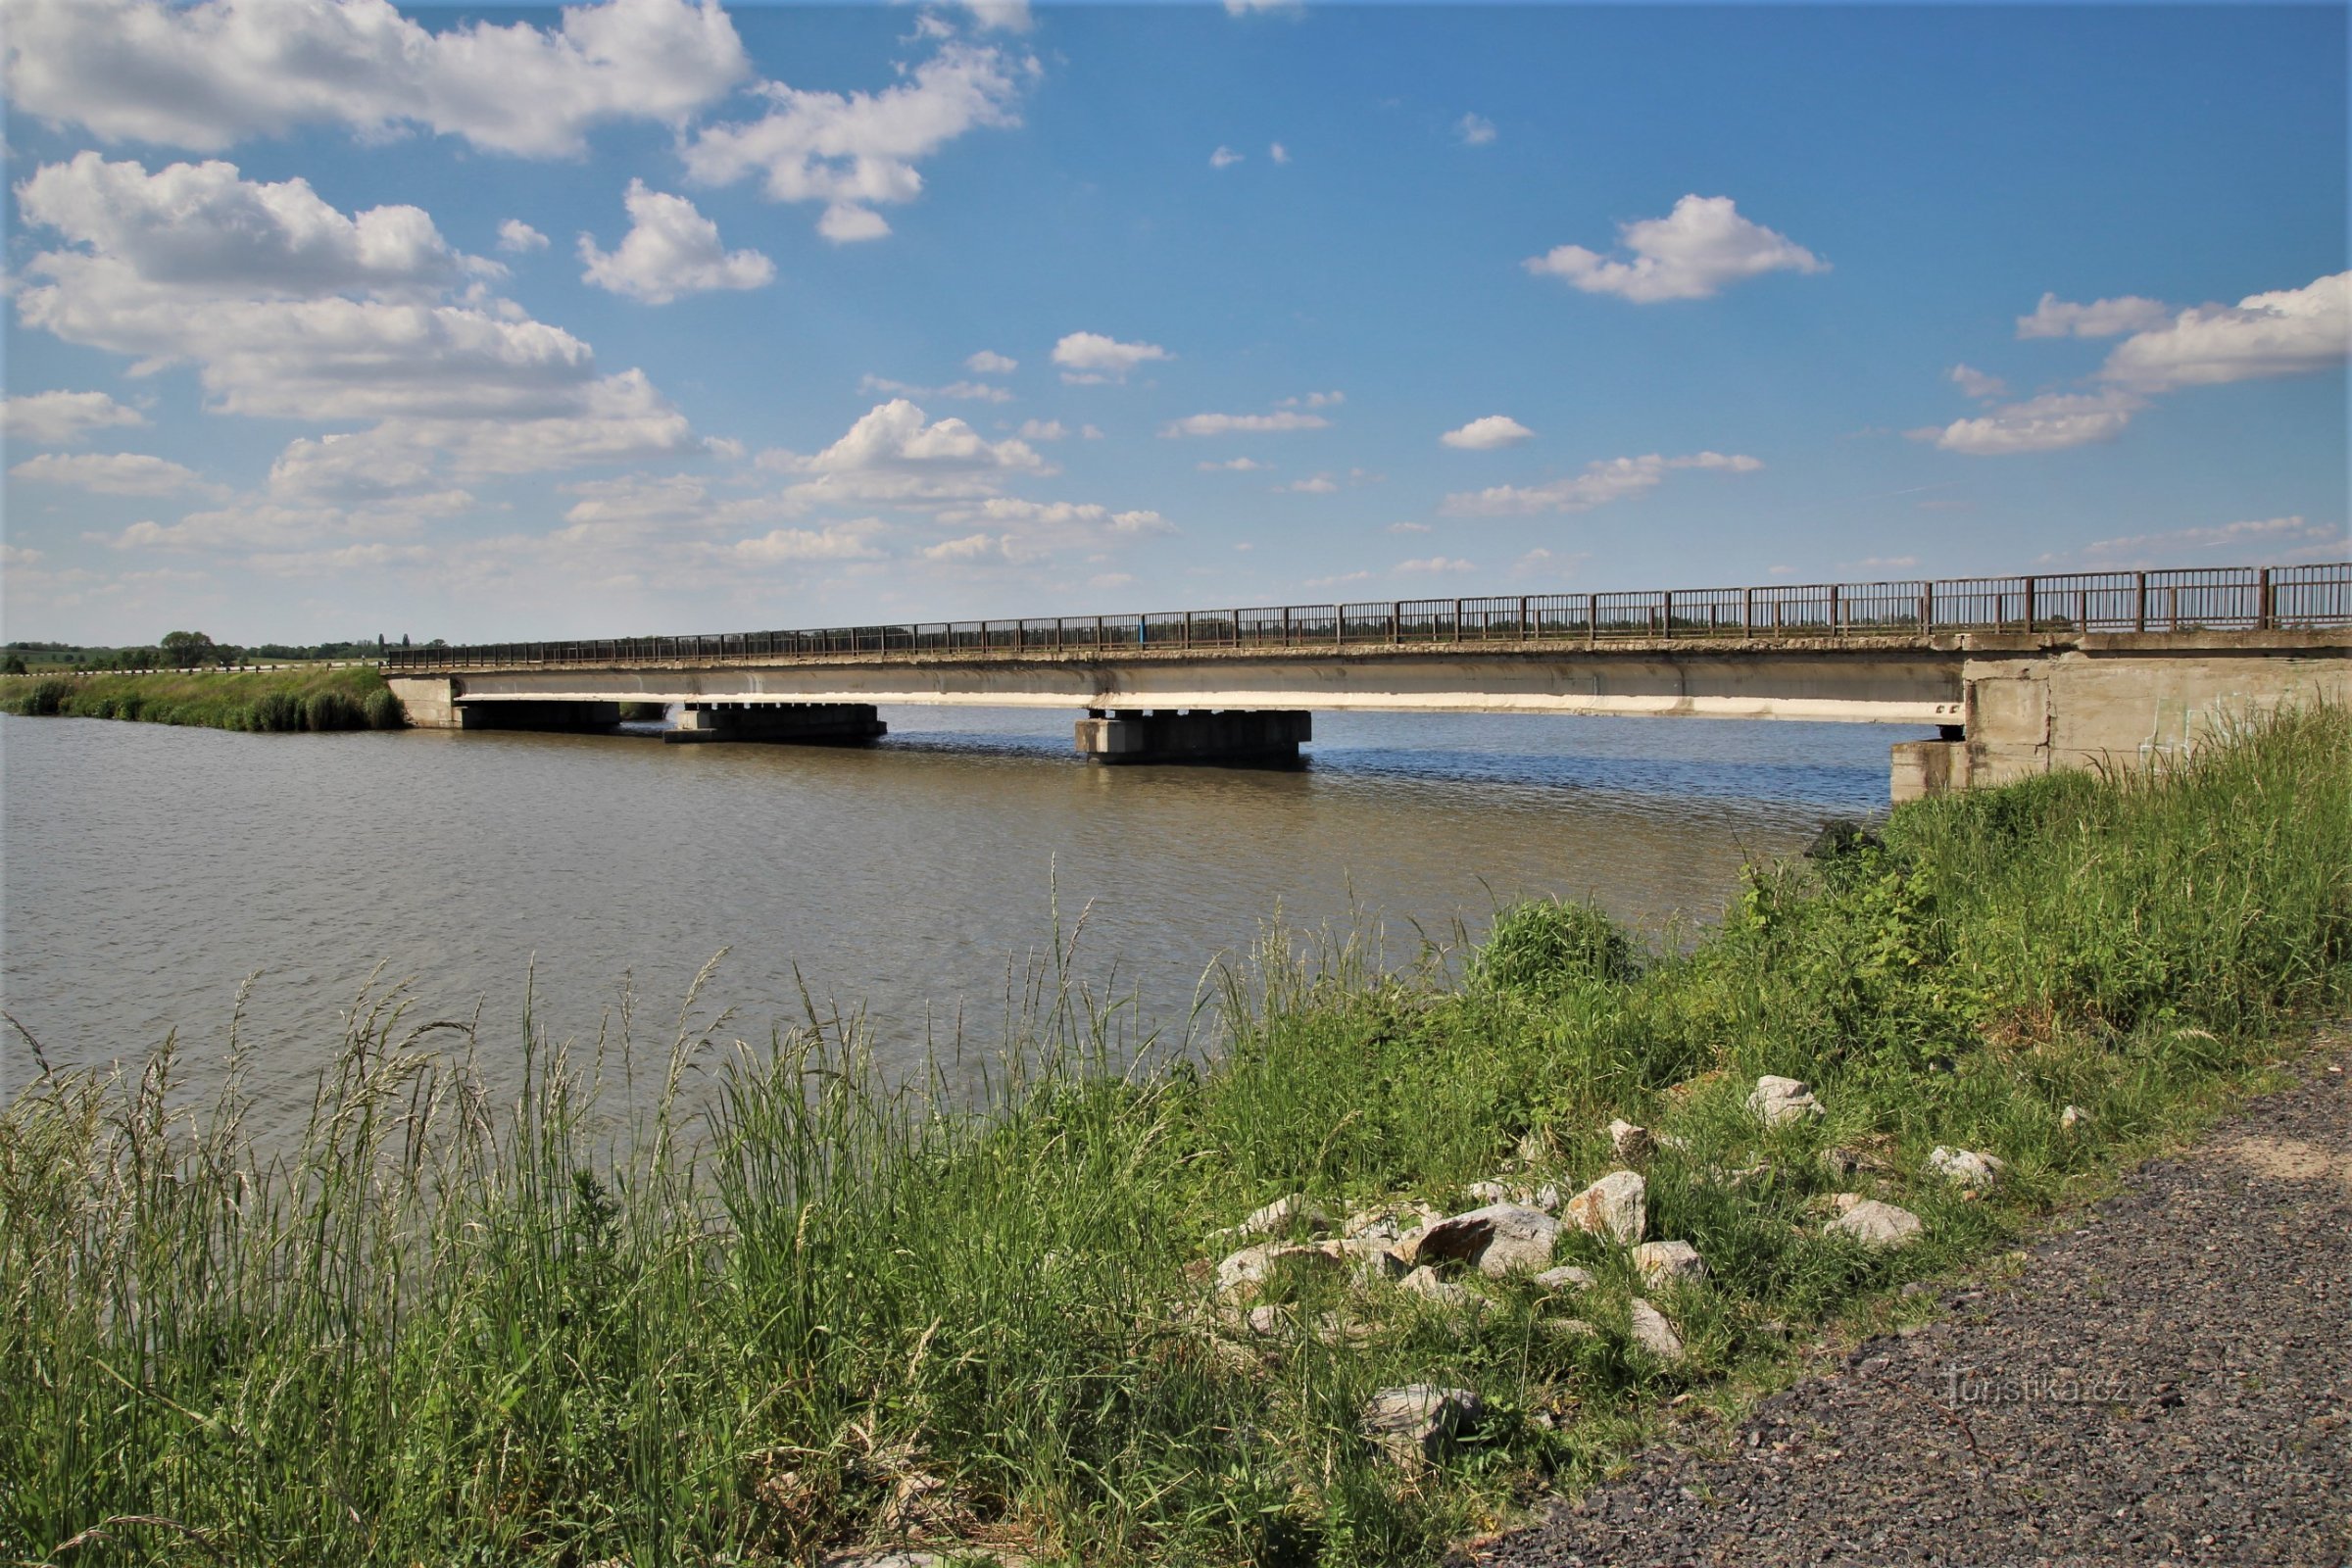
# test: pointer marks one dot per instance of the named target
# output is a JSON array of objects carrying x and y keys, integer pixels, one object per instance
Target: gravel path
[{"x": 2169, "y": 1383}]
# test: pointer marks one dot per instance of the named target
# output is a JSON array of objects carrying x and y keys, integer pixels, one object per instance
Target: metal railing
[{"x": 2204, "y": 598}]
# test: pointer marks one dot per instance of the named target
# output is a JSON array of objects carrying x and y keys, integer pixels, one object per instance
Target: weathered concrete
[
  {"x": 778, "y": 723},
  {"x": 1262, "y": 738},
  {"x": 564, "y": 718},
  {"x": 430, "y": 700}
]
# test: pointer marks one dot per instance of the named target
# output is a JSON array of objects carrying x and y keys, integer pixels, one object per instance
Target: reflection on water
[{"x": 148, "y": 869}]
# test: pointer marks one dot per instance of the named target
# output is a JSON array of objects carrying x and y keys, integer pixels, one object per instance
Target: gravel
[{"x": 2170, "y": 1382}]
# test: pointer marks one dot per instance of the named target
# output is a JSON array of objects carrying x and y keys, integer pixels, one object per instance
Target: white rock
[
  {"x": 1278, "y": 1216},
  {"x": 1653, "y": 1333},
  {"x": 1422, "y": 1420},
  {"x": 1781, "y": 1100},
  {"x": 1567, "y": 1277},
  {"x": 1252, "y": 1264},
  {"x": 1881, "y": 1227},
  {"x": 1263, "y": 1321},
  {"x": 1616, "y": 1206},
  {"x": 1489, "y": 1191},
  {"x": 1521, "y": 1240},
  {"x": 1633, "y": 1144},
  {"x": 2072, "y": 1117},
  {"x": 1424, "y": 1281},
  {"x": 1965, "y": 1168},
  {"x": 1375, "y": 1258},
  {"x": 1669, "y": 1262}
]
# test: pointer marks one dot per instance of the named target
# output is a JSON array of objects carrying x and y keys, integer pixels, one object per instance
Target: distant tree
[
  {"x": 185, "y": 650},
  {"x": 13, "y": 665}
]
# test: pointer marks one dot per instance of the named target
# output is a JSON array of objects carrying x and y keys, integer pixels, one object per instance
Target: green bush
[
  {"x": 384, "y": 710},
  {"x": 48, "y": 696},
  {"x": 1544, "y": 948},
  {"x": 277, "y": 714},
  {"x": 332, "y": 710}
]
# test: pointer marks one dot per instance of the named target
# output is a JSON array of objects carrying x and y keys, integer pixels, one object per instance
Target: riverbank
[
  {"x": 272, "y": 701},
  {"x": 744, "y": 1306}
]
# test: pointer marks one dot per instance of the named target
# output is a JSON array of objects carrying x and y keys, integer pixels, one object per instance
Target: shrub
[
  {"x": 385, "y": 710},
  {"x": 1546, "y": 947},
  {"x": 332, "y": 710},
  {"x": 48, "y": 696},
  {"x": 276, "y": 713}
]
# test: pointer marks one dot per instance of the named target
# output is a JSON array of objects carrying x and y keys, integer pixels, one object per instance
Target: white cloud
[
  {"x": 1244, "y": 7},
  {"x": 2272, "y": 540},
  {"x": 856, "y": 151},
  {"x": 670, "y": 250},
  {"x": 1434, "y": 565},
  {"x": 1493, "y": 431},
  {"x": 1232, "y": 465},
  {"x": 1089, "y": 358},
  {"x": 986, "y": 362},
  {"x": 1278, "y": 152},
  {"x": 113, "y": 473},
  {"x": 1974, "y": 383},
  {"x": 207, "y": 76},
  {"x": 516, "y": 237},
  {"x": 1601, "y": 483},
  {"x": 1342, "y": 580},
  {"x": 2055, "y": 318},
  {"x": 1314, "y": 400},
  {"x": 1321, "y": 484},
  {"x": 1112, "y": 579},
  {"x": 841, "y": 541},
  {"x": 1690, "y": 253},
  {"x": 1043, "y": 430},
  {"x": 1006, "y": 15},
  {"x": 2283, "y": 332},
  {"x": 891, "y": 454},
  {"x": 64, "y": 419},
  {"x": 2050, "y": 423},
  {"x": 1408, "y": 527},
  {"x": 1475, "y": 130},
  {"x": 1244, "y": 424},
  {"x": 971, "y": 547},
  {"x": 260, "y": 523},
  {"x": 1090, "y": 432},
  {"x": 963, "y": 391},
  {"x": 1063, "y": 518},
  {"x": 1224, "y": 158}
]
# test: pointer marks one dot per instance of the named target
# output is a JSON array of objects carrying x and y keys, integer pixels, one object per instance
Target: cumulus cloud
[
  {"x": 1232, "y": 465},
  {"x": 1278, "y": 152},
  {"x": 1245, "y": 423},
  {"x": 1475, "y": 130},
  {"x": 2282, "y": 332},
  {"x": 1043, "y": 430},
  {"x": 2055, "y": 318},
  {"x": 987, "y": 363},
  {"x": 1692, "y": 254},
  {"x": 1493, "y": 431},
  {"x": 841, "y": 541},
  {"x": 1314, "y": 400},
  {"x": 516, "y": 237},
  {"x": 1409, "y": 527},
  {"x": 670, "y": 250},
  {"x": 207, "y": 76},
  {"x": 1433, "y": 566},
  {"x": 1006, "y": 15},
  {"x": 1321, "y": 484},
  {"x": 963, "y": 391},
  {"x": 113, "y": 473},
  {"x": 1975, "y": 383},
  {"x": 1087, "y": 517},
  {"x": 2271, "y": 540},
  {"x": 1614, "y": 479},
  {"x": 1089, "y": 358},
  {"x": 2050, "y": 423},
  {"x": 1224, "y": 158},
  {"x": 858, "y": 151},
  {"x": 892, "y": 455},
  {"x": 64, "y": 419},
  {"x": 1244, "y": 7}
]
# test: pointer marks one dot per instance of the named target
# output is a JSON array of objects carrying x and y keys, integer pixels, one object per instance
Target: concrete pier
[
  {"x": 560, "y": 718},
  {"x": 1129, "y": 735},
  {"x": 778, "y": 723}
]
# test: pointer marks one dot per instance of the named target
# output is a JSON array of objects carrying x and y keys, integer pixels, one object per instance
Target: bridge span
[{"x": 2019, "y": 674}]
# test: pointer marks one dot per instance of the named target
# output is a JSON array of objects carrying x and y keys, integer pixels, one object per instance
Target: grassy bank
[
  {"x": 585, "y": 1325},
  {"x": 259, "y": 701}
]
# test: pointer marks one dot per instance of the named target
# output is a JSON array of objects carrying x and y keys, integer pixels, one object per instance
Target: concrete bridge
[{"x": 2020, "y": 675}]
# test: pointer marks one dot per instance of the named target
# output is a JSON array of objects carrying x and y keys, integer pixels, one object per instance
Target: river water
[{"x": 148, "y": 871}]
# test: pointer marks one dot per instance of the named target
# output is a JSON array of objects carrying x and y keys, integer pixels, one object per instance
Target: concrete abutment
[
  {"x": 778, "y": 723},
  {"x": 1134, "y": 735}
]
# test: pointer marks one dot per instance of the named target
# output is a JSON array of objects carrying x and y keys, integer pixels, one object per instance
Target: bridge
[{"x": 2019, "y": 674}]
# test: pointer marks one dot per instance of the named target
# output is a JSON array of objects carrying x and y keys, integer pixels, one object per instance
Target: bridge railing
[{"x": 2203, "y": 598}]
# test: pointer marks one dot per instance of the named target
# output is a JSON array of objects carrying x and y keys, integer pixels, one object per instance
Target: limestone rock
[
  {"x": 1669, "y": 1263},
  {"x": 1455, "y": 1240},
  {"x": 1489, "y": 1191},
  {"x": 1263, "y": 1321},
  {"x": 1782, "y": 1099},
  {"x": 1653, "y": 1333},
  {"x": 1519, "y": 1239},
  {"x": 1633, "y": 1144},
  {"x": 1881, "y": 1227},
  {"x": 1965, "y": 1168},
  {"x": 1252, "y": 1265},
  {"x": 1374, "y": 1257},
  {"x": 1278, "y": 1216},
  {"x": 1616, "y": 1206},
  {"x": 1567, "y": 1277},
  {"x": 1421, "y": 1421},
  {"x": 2072, "y": 1117}
]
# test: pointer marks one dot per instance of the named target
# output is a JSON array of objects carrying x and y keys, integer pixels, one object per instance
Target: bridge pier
[
  {"x": 1132, "y": 735},
  {"x": 560, "y": 718},
  {"x": 784, "y": 724}
]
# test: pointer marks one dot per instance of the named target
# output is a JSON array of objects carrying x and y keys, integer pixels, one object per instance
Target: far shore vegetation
[
  {"x": 702, "y": 1301},
  {"x": 298, "y": 698}
]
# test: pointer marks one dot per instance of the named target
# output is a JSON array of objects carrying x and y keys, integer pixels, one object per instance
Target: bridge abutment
[
  {"x": 782, "y": 724},
  {"x": 1124, "y": 735}
]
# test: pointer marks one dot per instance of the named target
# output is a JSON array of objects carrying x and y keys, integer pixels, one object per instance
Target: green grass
[
  {"x": 711, "y": 1302},
  {"x": 260, "y": 701}
]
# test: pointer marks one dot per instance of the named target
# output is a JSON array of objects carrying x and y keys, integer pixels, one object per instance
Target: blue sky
[{"x": 651, "y": 317}]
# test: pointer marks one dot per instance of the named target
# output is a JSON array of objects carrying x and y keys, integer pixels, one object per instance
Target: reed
[
  {"x": 698, "y": 1300},
  {"x": 269, "y": 701}
]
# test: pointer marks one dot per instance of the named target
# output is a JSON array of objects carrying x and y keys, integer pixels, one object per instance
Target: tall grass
[
  {"x": 724, "y": 1302},
  {"x": 272, "y": 700}
]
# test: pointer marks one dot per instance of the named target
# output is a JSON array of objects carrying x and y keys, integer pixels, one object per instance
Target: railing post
[
  {"x": 2265, "y": 606},
  {"x": 1747, "y": 611},
  {"x": 1285, "y": 625},
  {"x": 1666, "y": 615},
  {"x": 1837, "y": 612},
  {"x": 1592, "y": 620},
  {"x": 1396, "y": 624},
  {"x": 2029, "y": 604},
  {"x": 2139, "y": 601},
  {"x": 1524, "y": 635},
  {"x": 1457, "y": 621}
]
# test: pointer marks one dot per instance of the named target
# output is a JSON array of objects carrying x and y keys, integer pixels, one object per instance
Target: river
[{"x": 146, "y": 871}]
